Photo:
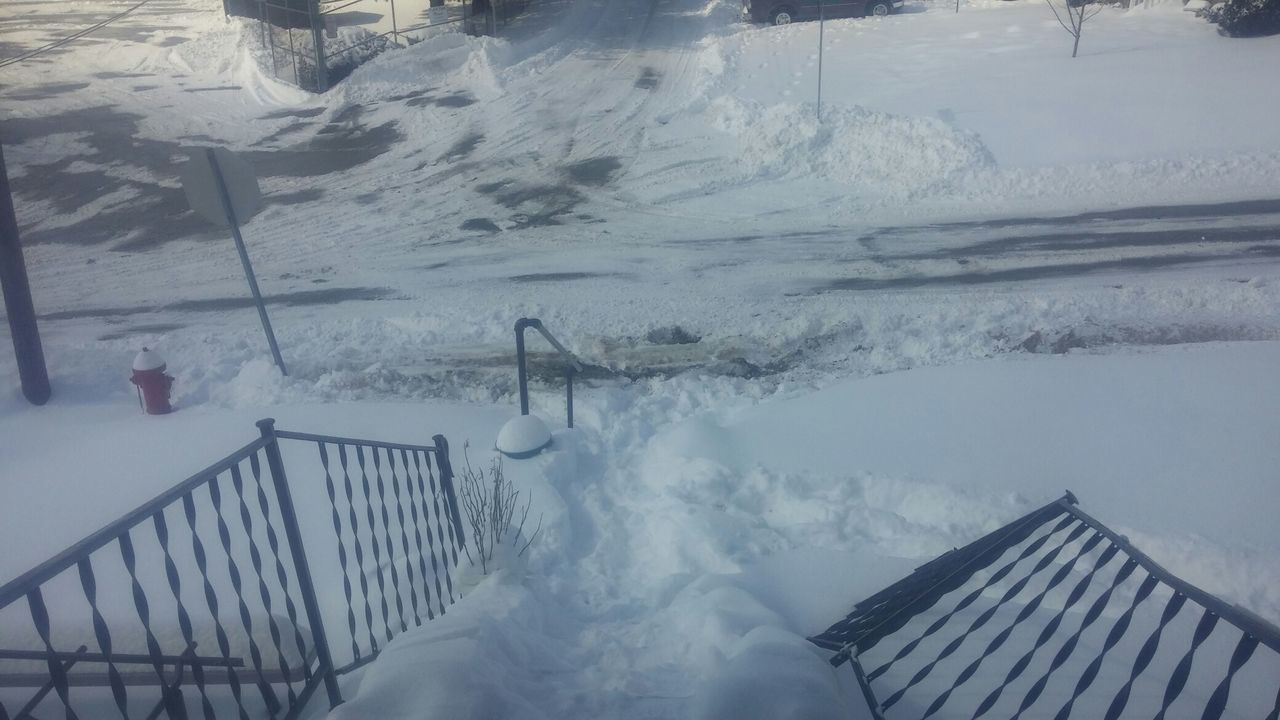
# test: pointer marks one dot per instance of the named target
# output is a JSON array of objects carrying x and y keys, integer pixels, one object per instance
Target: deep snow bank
[
  {"x": 1176, "y": 445},
  {"x": 121, "y": 458},
  {"x": 870, "y": 152},
  {"x": 1157, "y": 107},
  {"x": 451, "y": 59},
  {"x": 699, "y": 540}
]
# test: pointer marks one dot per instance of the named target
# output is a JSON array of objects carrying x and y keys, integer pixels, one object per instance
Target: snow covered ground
[
  {"x": 990, "y": 274},
  {"x": 617, "y": 171},
  {"x": 688, "y": 524}
]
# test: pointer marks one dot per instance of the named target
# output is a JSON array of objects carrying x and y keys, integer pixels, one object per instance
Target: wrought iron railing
[
  {"x": 1055, "y": 616},
  {"x": 396, "y": 526},
  {"x": 203, "y": 601},
  {"x": 568, "y": 360}
]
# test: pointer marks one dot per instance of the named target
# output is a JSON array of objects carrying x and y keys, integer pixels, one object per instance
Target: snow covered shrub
[
  {"x": 490, "y": 502},
  {"x": 351, "y": 49},
  {"x": 1247, "y": 18}
]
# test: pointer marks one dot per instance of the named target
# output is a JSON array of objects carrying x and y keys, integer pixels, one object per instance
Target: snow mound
[
  {"x": 773, "y": 675},
  {"x": 461, "y": 60},
  {"x": 879, "y": 153},
  {"x": 230, "y": 50},
  {"x": 485, "y": 658}
]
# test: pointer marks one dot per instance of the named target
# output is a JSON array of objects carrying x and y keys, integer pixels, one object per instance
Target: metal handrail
[
  {"x": 218, "y": 669},
  {"x": 984, "y": 544},
  {"x": 440, "y": 450},
  {"x": 1260, "y": 628},
  {"x": 334, "y": 440},
  {"x": 885, "y": 613},
  {"x": 19, "y": 586},
  {"x": 570, "y": 360}
]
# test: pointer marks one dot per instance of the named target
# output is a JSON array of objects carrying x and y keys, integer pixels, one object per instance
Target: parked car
[{"x": 782, "y": 12}]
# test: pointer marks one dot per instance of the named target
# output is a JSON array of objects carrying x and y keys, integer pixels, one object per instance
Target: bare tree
[
  {"x": 1078, "y": 13},
  {"x": 490, "y": 503}
]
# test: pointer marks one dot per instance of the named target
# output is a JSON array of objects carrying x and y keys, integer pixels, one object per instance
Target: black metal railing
[
  {"x": 396, "y": 532},
  {"x": 1034, "y": 620},
  {"x": 394, "y": 33},
  {"x": 570, "y": 362},
  {"x": 292, "y": 33},
  {"x": 202, "y": 602}
]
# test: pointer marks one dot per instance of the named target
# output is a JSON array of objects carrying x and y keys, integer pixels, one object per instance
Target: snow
[
  {"x": 820, "y": 352},
  {"x": 123, "y": 457},
  {"x": 878, "y": 154},
  {"x": 762, "y": 523},
  {"x": 523, "y": 435}
]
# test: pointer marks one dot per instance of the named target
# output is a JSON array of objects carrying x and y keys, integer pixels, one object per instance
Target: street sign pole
[
  {"x": 821, "y": 23},
  {"x": 244, "y": 259},
  {"x": 32, "y": 372}
]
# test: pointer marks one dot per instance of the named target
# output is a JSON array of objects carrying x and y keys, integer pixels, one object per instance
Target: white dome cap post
[{"x": 523, "y": 436}]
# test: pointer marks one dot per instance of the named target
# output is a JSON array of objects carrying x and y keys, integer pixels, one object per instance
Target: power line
[{"x": 76, "y": 36}]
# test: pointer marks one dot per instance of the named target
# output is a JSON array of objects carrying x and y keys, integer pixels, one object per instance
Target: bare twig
[
  {"x": 531, "y": 538},
  {"x": 490, "y": 502}
]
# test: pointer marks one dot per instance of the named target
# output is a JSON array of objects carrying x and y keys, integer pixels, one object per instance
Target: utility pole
[
  {"x": 821, "y": 23},
  {"x": 17, "y": 301}
]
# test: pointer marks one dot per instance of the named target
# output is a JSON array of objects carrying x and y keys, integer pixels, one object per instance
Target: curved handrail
[{"x": 570, "y": 360}]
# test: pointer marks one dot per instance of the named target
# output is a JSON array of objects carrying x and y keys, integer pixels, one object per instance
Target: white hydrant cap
[{"x": 148, "y": 360}]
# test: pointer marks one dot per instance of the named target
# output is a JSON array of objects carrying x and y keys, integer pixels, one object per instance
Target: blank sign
[{"x": 202, "y": 189}]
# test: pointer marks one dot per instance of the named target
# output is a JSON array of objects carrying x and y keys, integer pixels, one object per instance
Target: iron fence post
[
  {"x": 317, "y": 35},
  {"x": 395, "y": 32},
  {"x": 294, "y": 535},
  {"x": 446, "y": 481}
]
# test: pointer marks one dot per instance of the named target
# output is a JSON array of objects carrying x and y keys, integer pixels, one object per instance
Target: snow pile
[
  {"x": 450, "y": 58},
  {"x": 350, "y": 48},
  {"x": 1158, "y": 179},
  {"x": 774, "y": 675},
  {"x": 878, "y": 153},
  {"x": 488, "y": 657},
  {"x": 694, "y": 535},
  {"x": 709, "y": 538},
  {"x": 231, "y": 49},
  {"x": 1129, "y": 434}
]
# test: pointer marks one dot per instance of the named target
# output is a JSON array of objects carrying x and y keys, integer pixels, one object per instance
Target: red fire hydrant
[{"x": 153, "y": 384}]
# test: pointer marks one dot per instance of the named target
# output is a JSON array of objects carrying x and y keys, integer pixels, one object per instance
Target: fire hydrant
[{"x": 153, "y": 384}]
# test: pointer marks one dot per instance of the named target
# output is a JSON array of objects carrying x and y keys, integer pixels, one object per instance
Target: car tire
[
  {"x": 879, "y": 8},
  {"x": 782, "y": 16}
]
